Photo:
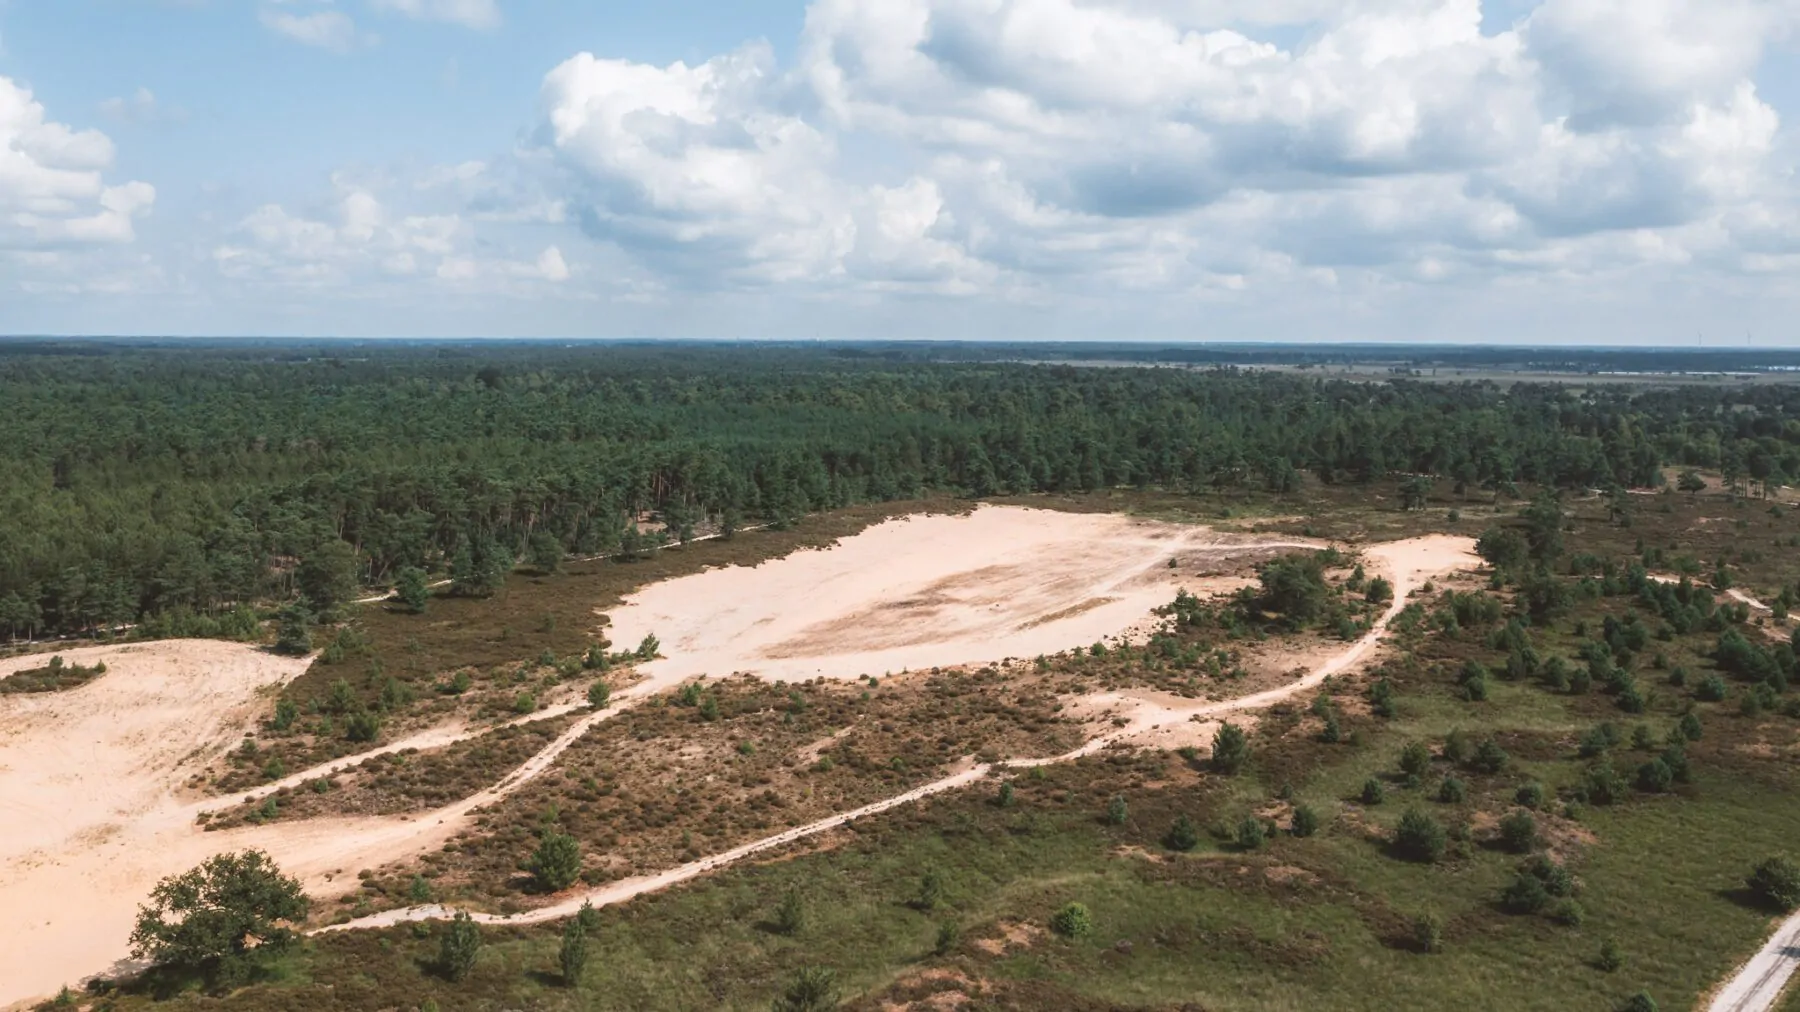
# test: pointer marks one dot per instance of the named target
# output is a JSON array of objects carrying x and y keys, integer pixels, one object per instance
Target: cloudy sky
[{"x": 1591, "y": 171}]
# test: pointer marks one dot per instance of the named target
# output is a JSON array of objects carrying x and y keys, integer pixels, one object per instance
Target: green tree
[
  {"x": 459, "y": 948},
  {"x": 556, "y": 862},
  {"x": 1419, "y": 837},
  {"x": 294, "y": 637},
  {"x": 412, "y": 590},
  {"x": 1306, "y": 821},
  {"x": 220, "y": 917},
  {"x": 1231, "y": 749},
  {"x": 1415, "y": 759},
  {"x": 1116, "y": 811},
  {"x": 1182, "y": 835},
  {"x": 326, "y": 576},
  {"x": 1518, "y": 832},
  {"x": 599, "y": 694},
  {"x": 790, "y": 914},
  {"x": 813, "y": 989},
  {"x": 572, "y": 956},
  {"x": 1776, "y": 884}
]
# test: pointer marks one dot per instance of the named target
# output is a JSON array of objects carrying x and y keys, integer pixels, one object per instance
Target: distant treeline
[{"x": 148, "y": 481}]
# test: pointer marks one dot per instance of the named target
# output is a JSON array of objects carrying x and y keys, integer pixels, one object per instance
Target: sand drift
[{"x": 90, "y": 779}]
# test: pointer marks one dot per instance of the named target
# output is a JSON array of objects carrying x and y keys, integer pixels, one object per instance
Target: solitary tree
[
  {"x": 461, "y": 945},
  {"x": 557, "y": 861},
  {"x": 790, "y": 916},
  {"x": 1419, "y": 837},
  {"x": 1231, "y": 749},
  {"x": 1072, "y": 921},
  {"x": 220, "y": 917},
  {"x": 571, "y": 959},
  {"x": 813, "y": 989},
  {"x": 1776, "y": 883}
]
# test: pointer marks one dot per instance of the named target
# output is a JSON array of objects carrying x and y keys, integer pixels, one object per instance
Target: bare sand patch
[{"x": 927, "y": 591}]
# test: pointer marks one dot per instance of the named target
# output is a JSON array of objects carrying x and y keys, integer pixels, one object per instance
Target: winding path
[{"x": 1405, "y": 563}]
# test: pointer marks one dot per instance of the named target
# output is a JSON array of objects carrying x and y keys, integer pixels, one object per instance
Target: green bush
[
  {"x": 790, "y": 915},
  {"x": 1531, "y": 795},
  {"x": 572, "y": 955},
  {"x": 1419, "y": 837},
  {"x": 1452, "y": 791},
  {"x": 1116, "y": 811},
  {"x": 1415, "y": 759},
  {"x": 1776, "y": 884},
  {"x": 1072, "y": 921},
  {"x": 1306, "y": 821},
  {"x": 1182, "y": 835},
  {"x": 1518, "y": 832},
  {"x": 1250, "y": 833},
  {"x": 1524, "y": 895},
  {"x": 459, "y": 949},
  {"x": 1230, "y": 750},
  {"x": 599, "y": 694},
  {"x": 557, "y": 861},
  {"x": 812, "y": 989},
  {"x": 1428, "y": 933}
]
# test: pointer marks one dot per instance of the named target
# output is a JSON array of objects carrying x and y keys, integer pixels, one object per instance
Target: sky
[{"x": 1570, "y": 171}]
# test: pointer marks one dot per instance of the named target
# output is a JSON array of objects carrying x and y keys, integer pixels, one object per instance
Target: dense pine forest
[{"x": 177, "y": 485}]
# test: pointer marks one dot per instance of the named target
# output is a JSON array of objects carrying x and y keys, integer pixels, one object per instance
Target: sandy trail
[
  {"x": 1406, "y": 563},
  {"x": 924, "y": 591},
  {"x": 1757, "y": 985}
]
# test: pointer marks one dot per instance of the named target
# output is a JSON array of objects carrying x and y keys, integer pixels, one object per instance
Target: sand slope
[{"x": 924, "y": 591}]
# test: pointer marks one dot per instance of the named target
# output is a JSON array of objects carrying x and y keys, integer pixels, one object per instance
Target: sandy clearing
[
  {"x": 993, "y": 584},
  {"x": 924, "y": 591},
  {"x": 1406, "y": 563},
  {"x": 89, "y": 776}
]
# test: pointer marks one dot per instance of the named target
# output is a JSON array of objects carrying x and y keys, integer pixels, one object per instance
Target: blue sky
[{"x": 1590, "y": 171}]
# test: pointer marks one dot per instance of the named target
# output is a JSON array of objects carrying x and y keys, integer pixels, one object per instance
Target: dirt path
[
  {"x": 1758, "y": 984},
  {"x": 1407, "y": 564}
]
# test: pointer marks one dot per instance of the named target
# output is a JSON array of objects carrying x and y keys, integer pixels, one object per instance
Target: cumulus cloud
[
  {"x": 1019, "y": 145},
  {"x": 480, "y": 14},
  {"x": 53, "y": 190},
  {"x": 326, "y": 28},
  {"x": 359, "y": 238}
]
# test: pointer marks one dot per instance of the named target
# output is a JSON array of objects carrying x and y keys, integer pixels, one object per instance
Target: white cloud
[
  {"x": 327, "y": 29},
  {"x": 52, "y": 186},
  {"x": 140, "y": 106},
  {"x": 359, "y": 240},
  {"x": 481, "y": 14},
  {"x": 1021, "y": 146}
]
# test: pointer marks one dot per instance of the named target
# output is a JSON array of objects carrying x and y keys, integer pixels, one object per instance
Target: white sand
[{"x": 921, "y": 592}]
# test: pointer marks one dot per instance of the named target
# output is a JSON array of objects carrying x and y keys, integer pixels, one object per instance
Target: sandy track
[
  {"x": 1758, "y": 984},
  {"x": 1406, "y": 563}
]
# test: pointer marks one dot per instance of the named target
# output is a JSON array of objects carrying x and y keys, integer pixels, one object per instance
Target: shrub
[
  {"x": 1428, "y": 933},
  {"x": 285, "y": 715},
  {"x": 571, "y": 957},
  {"x": 1556, "y": 878},
  {"x": 1776, "y": 884},
  {"x": 948, "y": 934},
  {"x": 813, "y": 989},
  {"x": 1601, "y": 785},
  {"x": 1456, "y": 746},
  {"x": 1690, "y": 726},
  {"x": 1182, "y": 835},
  {"x": 1640, "y": 1002},
  {"x": 1072, "y": 921},
  {"x": 1531, "y": 795},
  {"x": 1655, "y": 776},
  {"x": 1611, "y": 957},
  {"x": 1250, "y": 833},
  {"x": 1489, "y": 758},
  {"x": 1415, "y": 759},
  {"x": 1231, "y": 749},
  {"x": 1518, "y": 832},
  {"x": 1452, "y": 791},
  {"x": 1525, "y": 895},
  {"x": 412, "y": 590},
  {"x": 1116, "y": 811},
  {"x": 931, "y": 891},
  {"x": 599, "y": 694},
  {"x": 790, "y": 915},
  {"x": 460, "y": 947},
  {"x": 1372, "y": 792},
  {"x": 1419, "y": 837},
  {"x": 363, "y": 726},
  {"x": 557, "y": 861},
  {"x": 648, "y": 647},
  {"x": 1711, "y": 689},
  {"x": 1306, "y": 821},
  {"x": 1568, "y": 913}
]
